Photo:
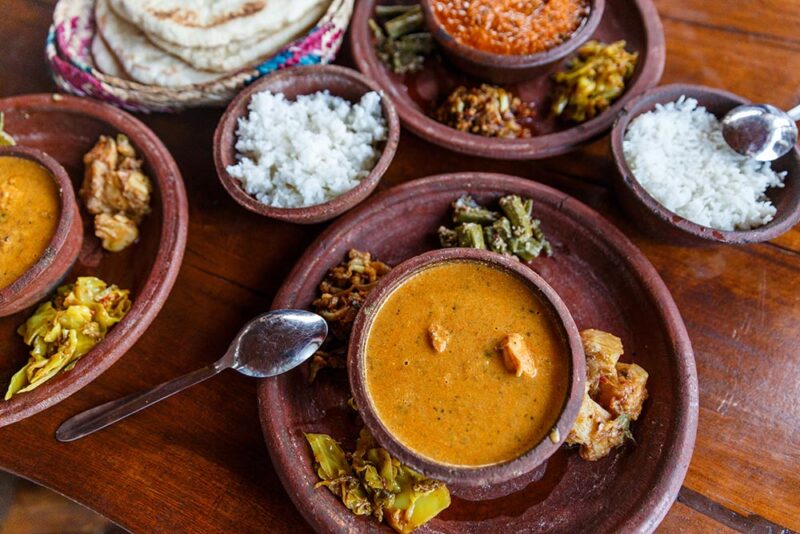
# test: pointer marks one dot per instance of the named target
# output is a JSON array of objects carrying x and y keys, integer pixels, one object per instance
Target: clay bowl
[
  {"x": 60, "y": 254},
  {"x": 655, "y": 219},
  {"x": 504, "y": 68},
  {"x": 467, "y": 478},
  {"x": 340, "y": 81}
]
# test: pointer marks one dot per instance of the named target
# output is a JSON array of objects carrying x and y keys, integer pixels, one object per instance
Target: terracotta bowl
[
  {"x": 60, "y": 254},
  {"x": 503, "y": 68},
  {"x": 340, "y": 81},
  {"x": 655, "y": 219},
  {"x": 467, "y": 478}
]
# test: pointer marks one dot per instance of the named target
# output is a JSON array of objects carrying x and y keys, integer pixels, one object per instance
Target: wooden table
[{"x": 198, "y": 463}]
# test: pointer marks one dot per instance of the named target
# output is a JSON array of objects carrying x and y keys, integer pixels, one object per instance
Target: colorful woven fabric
[{"x": 68, "y": 50}]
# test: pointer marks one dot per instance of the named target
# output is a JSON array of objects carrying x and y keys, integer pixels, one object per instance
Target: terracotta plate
[
  {"x": 605, "y": 281},
  {"x": 416, "y": 95},
  {"x": 66, "y": 128}
]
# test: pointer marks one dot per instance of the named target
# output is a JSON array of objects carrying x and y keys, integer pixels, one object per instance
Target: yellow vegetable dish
[{"x": 64, "y": 329}]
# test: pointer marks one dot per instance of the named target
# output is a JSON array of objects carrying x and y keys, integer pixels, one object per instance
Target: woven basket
[{"x": 68, "y": 50}]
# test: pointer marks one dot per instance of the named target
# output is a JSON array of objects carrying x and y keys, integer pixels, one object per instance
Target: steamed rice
[
  {"x": 306, "y": 152},
  {"x": 679, "y": 156}
]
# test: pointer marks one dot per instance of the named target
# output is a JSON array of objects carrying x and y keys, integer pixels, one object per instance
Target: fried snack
[
  {"x": 115, "y": 191},
  {"x": 602, "y": 353},
  {"x": 486, "y": 110},
  {"x": 66, "y": 328},
  {"x": 593, "y": 80},
  {"x": 374, "y": 483},
  {"x": 615, "y": 393},
  {"x": 342, "y": 293},
  {"x": 625, "y": 393},
  {"x": 596, "y": 432}
]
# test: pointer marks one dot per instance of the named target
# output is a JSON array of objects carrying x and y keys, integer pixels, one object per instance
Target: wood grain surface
[{"x": 197, "y": 462}]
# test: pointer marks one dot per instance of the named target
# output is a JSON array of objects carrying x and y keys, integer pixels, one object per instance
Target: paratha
[
  {"x": 239, "y": 54},
  {"x": 210, "y": 23},
  {"x": 141, "y": 59}
]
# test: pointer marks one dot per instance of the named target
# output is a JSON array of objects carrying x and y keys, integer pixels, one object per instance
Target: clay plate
[
  {"x": 63, "y": 249},
  {"x": 662, "y": 223},
  {"x": 340, "y": 81},
  {"x": 606, "y": 283},
  {"x": 416, "y": 95},
  {"x": 65, "y": 128}
]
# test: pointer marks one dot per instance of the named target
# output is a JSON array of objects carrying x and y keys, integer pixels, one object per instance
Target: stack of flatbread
[{"x": 173, "y": 43}]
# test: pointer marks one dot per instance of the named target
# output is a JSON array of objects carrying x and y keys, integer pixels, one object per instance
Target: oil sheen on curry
[
  {"x": 465, "y": 364},
  {"x": 30, "y": 206}
]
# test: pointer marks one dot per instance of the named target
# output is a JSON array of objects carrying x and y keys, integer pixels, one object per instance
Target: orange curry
[
  {"x": 30, "y": 206},
  {"x": 437, "y": 371},
  {"x": 511, "y": 27}
]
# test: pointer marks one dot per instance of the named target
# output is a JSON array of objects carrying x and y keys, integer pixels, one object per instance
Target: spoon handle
[
  {"x": 794, "y": 113},
  {"x": 94, "y": 419}
]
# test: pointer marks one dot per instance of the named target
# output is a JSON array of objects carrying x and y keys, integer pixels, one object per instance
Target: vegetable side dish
[
  {"x": 614, "y": 396},
  {"x": 5, "y": 138},
  {"x": 370, "y": 482},
  {"x": 592, "y": 81},
  {"x": 482, "y": 399},
  {"x": 64, "y": 329},
  {"x": 511, "y": 27},
  {"x": 341, "y": 294},
  {"x": 115, "y": 191},
  {"x": 486, "y": 110},
  {"x": 401, "y": 41},
  {"x": 30, "y": 206},
  {"x": 512, "y": 232}
]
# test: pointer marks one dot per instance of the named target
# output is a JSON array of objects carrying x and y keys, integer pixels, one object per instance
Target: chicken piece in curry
[
  {"x": 439, "y": 336},
  {"x": 517, "y": 357},
  {"x": 615, "y": 393}
]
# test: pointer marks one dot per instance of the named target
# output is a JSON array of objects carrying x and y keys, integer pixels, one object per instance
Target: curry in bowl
[
  {"x": 30, "y": 207},
  {"x": 467, "y": 360},
  {"x": 40, "y": 227}
]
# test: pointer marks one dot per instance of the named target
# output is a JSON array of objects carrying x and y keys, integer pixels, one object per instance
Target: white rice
[
  {"x": 679, "y": 156},
  {"x": 306, "y": 152}
]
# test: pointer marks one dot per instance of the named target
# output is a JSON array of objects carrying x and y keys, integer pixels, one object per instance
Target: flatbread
[
  {"x": 141, "y": 59},
  {"x": 237, "y": 55},
  {"x": 104, "y": 59},
  {"x": 210, "y": 23}
]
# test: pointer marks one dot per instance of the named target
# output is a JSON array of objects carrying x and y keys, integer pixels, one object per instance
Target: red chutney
[{"x": 511, "y": 27}]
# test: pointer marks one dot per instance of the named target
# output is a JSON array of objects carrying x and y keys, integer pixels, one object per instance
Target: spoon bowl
[
  {"x": 276, "y": 342},
  {"x": 761, "y": 131}
]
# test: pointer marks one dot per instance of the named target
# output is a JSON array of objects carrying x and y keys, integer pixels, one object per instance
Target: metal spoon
[
  {"x": 761, "y": 131},
  {"x": 269, "y": 345}
]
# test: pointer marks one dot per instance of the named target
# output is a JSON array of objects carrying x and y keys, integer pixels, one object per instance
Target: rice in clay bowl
[
  {"x": 655, "y": 219},
  {"x": 69, "y": 56}
]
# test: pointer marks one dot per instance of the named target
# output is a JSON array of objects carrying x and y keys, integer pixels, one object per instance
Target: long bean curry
[{"x": 465, "y": 364}]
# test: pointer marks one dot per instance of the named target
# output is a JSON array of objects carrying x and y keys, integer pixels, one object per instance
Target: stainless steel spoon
[
  {"x": 761, "y": 131},
  {"x": 269, "y": 345}
]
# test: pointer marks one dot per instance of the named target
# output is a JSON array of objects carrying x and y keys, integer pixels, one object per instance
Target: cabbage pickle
[
  {"x": 66, "y": 328},
  {"x": 374, "y": 483}
]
